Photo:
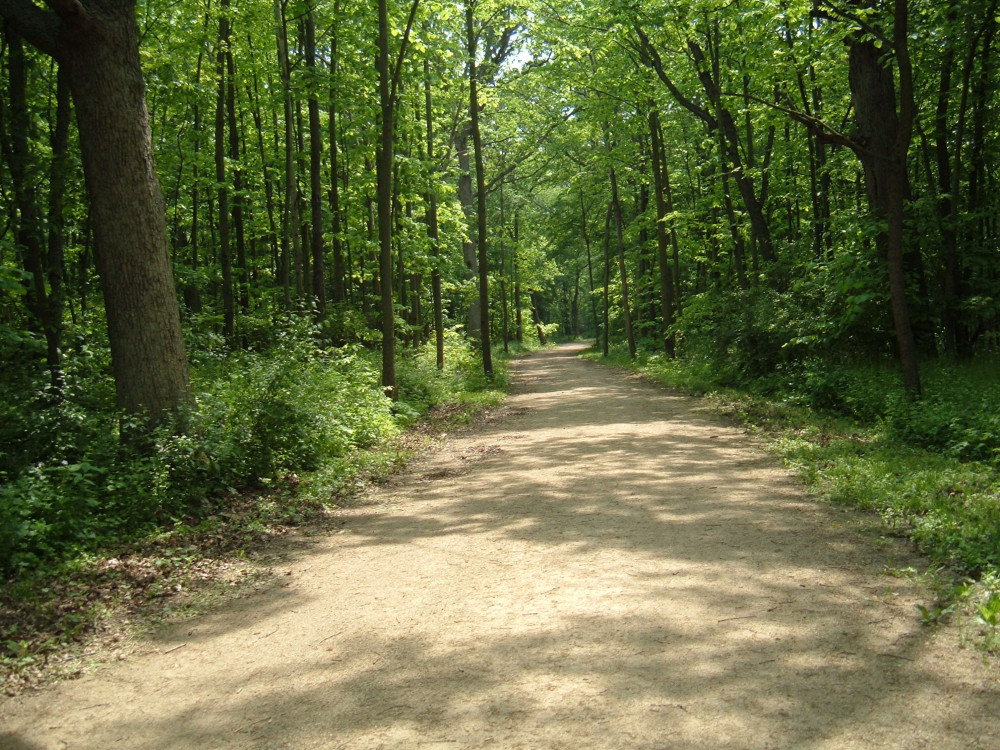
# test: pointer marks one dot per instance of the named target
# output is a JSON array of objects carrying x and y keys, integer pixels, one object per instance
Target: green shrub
[
  {"x": 422, "y": 384},
  {"x": 255, "y": 417}
]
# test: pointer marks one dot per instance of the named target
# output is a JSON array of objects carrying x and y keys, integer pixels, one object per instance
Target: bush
[
  {"x": 744, "y": 334},
  {"x": 964, "y": 423},
  {"x": 255, "y": 417},
  {"x": 422, "y": 385},
  {"x": 289, "y": 411}
]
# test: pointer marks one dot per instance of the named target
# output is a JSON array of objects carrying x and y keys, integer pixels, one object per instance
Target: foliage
[
  {"x": 422, "y": 385},
  {"x": 775, "y": 252},
  {"x": 255, "y": 418}
]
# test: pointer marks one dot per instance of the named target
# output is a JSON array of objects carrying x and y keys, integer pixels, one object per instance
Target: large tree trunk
[
  {"x": 886, "y": 133},
  {"x": 129, "y": 223},
  {"x": 99, "y": 46}
]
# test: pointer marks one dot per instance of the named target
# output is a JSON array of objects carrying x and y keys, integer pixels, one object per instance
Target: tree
[
  {"x": 388, "y": 88},
  {"x": 97, "y": 42},
  {"x": 472, "y": 39},
  {"x": 666, "y": 270},
  {"x": 882, "y": 145}
]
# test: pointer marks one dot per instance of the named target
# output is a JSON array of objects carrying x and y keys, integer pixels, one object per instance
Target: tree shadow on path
[{"x": 608, "y": 567}]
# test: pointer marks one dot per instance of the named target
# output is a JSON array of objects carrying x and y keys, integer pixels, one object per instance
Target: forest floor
[{"x": 602, "y": 565}]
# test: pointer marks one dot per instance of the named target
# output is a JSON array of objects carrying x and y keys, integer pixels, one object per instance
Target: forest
[{"x": 243, "y": 241}]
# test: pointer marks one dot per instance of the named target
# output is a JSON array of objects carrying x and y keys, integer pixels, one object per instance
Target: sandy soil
[{"x": 605, "y": 567}]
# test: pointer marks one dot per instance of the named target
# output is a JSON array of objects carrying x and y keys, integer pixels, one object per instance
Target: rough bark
[
  {"x": 885, "y": 133},
  {"x": 99, "y": 46}
]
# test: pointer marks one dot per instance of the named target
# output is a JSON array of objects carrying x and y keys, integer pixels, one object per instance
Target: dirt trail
[{"x": 606, "y": 567}]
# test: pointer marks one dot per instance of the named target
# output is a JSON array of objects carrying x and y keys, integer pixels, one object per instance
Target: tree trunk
[
  {"x": 44, "y": 309},
  {"x": 617, "y": 211},
  {"x": 477, "y": 143},
  {"x": 225, "y": 249},
  {"x": 288, "y": 207},
  {"x": 666, "y": 271},
  {"x": 886, "y": 133},
  {"x": 518, "y": 321},
  {"x": 383, "y": 173},
  {"x": 730, "y": 141},
  {"x": 315, "y": 174},
  {"x": 243, "y": 280},
  {"x": 266, "y": 169},
  {"x": 432, "y": 221},
  {"x": 501, "y": 270},
  {"x": 101, "y": 54},
  {"x": 55, "y": 261},
  {"x": 590, "y": 265},
  {"x": 607, "y": 283},
  {"x": 339, "y": 268}
]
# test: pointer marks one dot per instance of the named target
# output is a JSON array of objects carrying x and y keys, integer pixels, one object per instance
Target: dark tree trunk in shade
[
  {"x": 886, "y": 133},
  {"x": 99, "y": 46},
  {"x": 481, "y": 244}
]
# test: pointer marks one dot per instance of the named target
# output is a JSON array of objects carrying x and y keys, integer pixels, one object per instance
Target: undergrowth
[{"x": 93, "y": 528}]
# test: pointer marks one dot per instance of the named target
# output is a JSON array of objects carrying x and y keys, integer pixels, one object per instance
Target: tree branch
[
  {"x": 70, "y": 11},
  {"x": 905, "y": 73},
  {"x": 651, "y": 58},
  {"x": 39, "y": 27},
  {"x": 822, "y": 130},
  {"x": 397, "y": 73},
  {"x": 529, "y": 152}
]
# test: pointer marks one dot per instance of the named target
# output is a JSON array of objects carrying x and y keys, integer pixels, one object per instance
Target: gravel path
[{"x": 604, "y": 567}]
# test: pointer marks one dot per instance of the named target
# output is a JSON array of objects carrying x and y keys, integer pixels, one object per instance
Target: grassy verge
[
  {"x": 59, "y": 615},
  {"x": 929, "y": 491}
]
